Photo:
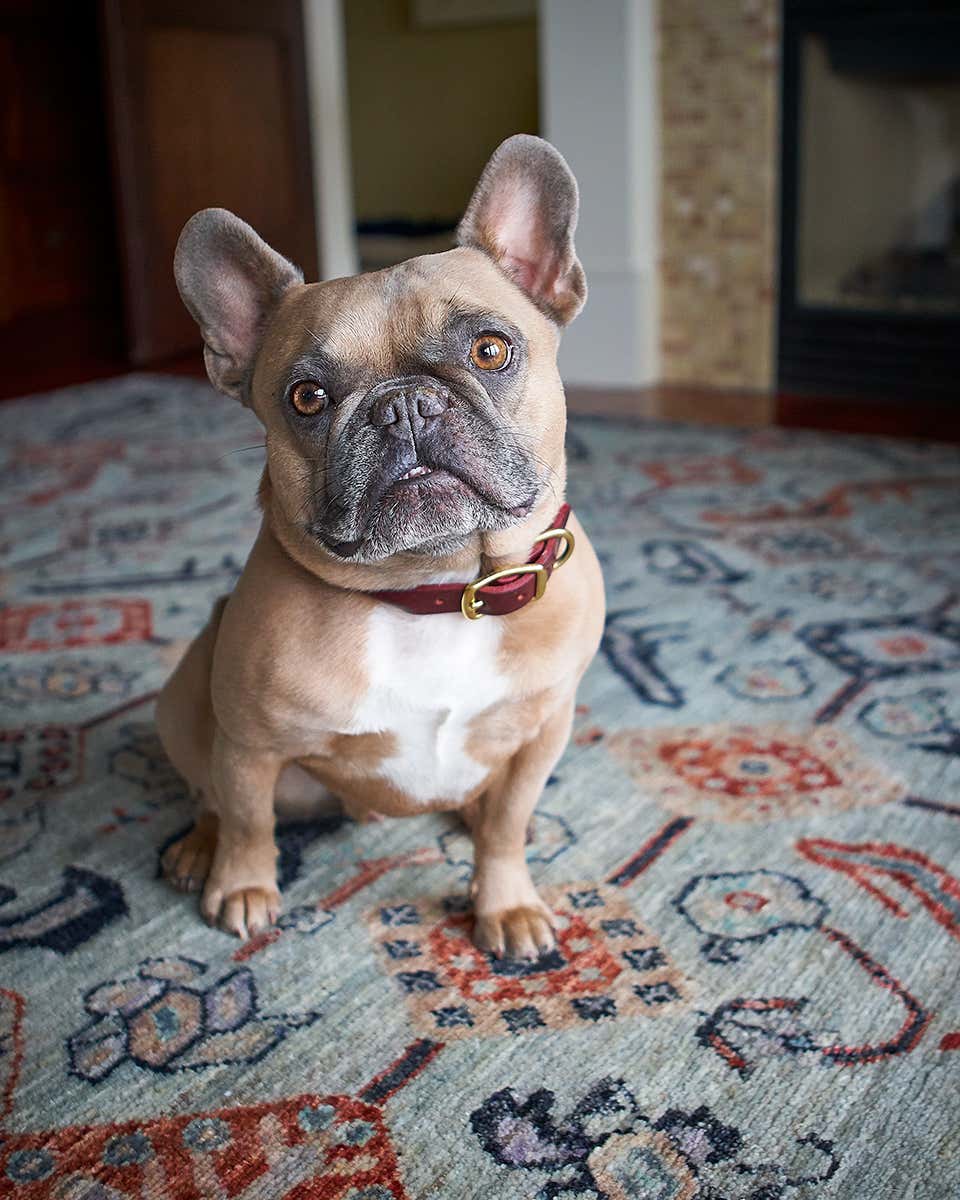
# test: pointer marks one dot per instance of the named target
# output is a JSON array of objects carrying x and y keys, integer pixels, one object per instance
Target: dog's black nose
[{"x": 408, "y": 405}]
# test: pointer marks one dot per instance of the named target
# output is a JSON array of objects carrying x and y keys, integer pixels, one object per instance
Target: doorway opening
[{"x": 441, "y": 84}]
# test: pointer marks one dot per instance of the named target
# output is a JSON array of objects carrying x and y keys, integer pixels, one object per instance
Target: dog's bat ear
[
  {"x": 523, "y": 213},
  {"x": 229, "y": 279}
]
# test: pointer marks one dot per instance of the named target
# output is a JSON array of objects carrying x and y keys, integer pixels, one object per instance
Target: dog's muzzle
[{"x": 407, "y": 407}]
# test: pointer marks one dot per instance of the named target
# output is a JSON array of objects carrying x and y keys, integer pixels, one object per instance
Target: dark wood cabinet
[{"x": 59, "y": 278}]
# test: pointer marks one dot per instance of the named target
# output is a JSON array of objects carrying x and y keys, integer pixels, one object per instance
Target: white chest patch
[{"x": 429, "y": 677}]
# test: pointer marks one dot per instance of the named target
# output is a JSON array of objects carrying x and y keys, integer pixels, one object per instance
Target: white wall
[{"x": 598, "y": 64}]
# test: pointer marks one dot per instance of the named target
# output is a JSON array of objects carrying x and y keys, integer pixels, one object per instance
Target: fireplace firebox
[{"x": 870, "y": 200}]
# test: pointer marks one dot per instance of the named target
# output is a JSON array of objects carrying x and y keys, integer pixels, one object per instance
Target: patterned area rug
[{"x": 752, "y": 845}]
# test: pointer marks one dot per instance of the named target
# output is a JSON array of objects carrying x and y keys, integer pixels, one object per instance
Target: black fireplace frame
[{"x": 850, "y": 352}]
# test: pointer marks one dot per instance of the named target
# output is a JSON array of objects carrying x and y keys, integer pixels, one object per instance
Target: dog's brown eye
[
  {"x": 490, "y": 352},
  {"x": 308, "y": 398}
]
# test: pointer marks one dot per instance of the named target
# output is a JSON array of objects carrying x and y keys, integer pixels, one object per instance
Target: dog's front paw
[
  {"x": 186, "y": 863},
  {"x": 525, "y": 932},
  {"x": 510, "y": 919},
  {"x": 244, "y": 912}
]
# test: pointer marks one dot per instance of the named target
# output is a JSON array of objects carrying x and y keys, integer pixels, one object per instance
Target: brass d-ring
[{"x": 569, "y": 542}]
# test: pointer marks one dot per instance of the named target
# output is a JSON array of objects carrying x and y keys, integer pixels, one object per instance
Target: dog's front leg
[
  {"x": 509, "y": 917},
  {"x": 241, "y": 890}
]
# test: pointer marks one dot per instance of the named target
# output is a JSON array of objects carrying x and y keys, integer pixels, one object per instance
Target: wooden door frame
[{"x": 326, "y": 53}]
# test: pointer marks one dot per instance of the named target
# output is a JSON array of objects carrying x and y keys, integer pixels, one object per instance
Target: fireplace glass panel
[{"x": 879, "y": 186}]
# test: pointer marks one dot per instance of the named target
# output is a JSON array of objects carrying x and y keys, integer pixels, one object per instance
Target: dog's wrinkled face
[
  {"x": 398, "y": 410},
  {"x": 409, "y": 408},
  {"x": 401, "y": 401}
]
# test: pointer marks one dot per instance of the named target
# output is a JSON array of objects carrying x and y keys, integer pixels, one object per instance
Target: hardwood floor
[
  {"x": 707, "y": 406},
  {"x": 711, "y": 406},
  {"x": 910, "y": 418}
]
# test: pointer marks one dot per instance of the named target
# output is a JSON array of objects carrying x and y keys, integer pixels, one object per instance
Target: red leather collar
[{"x": 496, "y": 595}]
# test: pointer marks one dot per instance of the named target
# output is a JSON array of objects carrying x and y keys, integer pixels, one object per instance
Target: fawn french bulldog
[{"x": 381, "y": 645}]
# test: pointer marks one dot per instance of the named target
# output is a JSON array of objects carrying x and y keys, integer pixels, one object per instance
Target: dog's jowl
[{"x": 410, "y": 629}]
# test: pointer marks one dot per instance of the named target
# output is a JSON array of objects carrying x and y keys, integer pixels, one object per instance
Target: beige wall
[
  {"x": 427, "y": 107},
  {"x": 719, "y": 154}
]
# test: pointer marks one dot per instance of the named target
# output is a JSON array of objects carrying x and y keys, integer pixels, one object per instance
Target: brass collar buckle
[{"x": 471, "y": 603}]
